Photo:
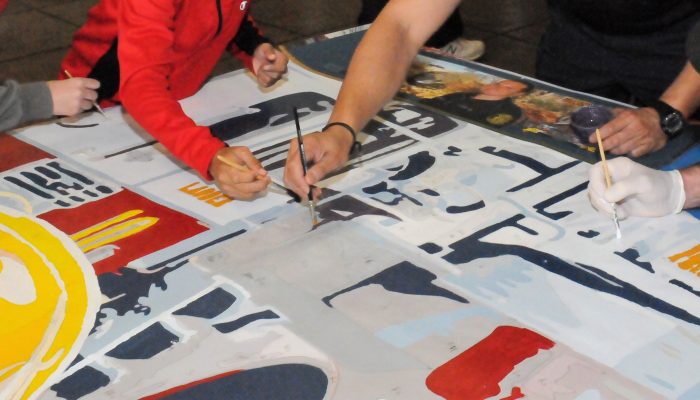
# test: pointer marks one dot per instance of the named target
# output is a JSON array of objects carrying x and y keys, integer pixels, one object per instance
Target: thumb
[{"x": 319, "y": 170}]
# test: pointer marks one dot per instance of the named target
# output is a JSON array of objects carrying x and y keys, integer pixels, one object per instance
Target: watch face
[{"x": 672, "y": 124}]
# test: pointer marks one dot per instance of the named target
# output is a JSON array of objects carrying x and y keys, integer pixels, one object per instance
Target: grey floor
[{"x": 35, "y": 34}]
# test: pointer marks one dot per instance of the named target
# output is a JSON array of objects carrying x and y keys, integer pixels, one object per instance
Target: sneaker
[{"x": 464, "y": 49}]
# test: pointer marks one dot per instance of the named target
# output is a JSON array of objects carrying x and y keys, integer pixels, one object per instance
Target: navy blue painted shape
[
  {"x": 83, "y": 382},
  {"x": 208, "y": 306},
  {"x": 685, "y": 286},
  {"x": 471, "y": 248},
  {"x": 430, "y": 247},
  {"x": 417, "y": 164},
  {"x": 430, "y": 192},
  {"x": 632, "y": 256},
  {"x": 145, "y": 344},
  {"x": 452, "y": 151},
  {"x": 467, "y": 208},
  {"x": 347, "y": 204},
  {"x": 587, "y": 234},
  {"x": 382, "y": 187},
  {"x": 129, "y": 286},
  {"x": 228, "y": 327},
  {"x": 405, "y": 278},
  {"x": 544, "y": 171},
  {"x": 543, "y": 205},
  {"x": 274, "y": 112},
  {"x": 276, "y": 382},
  {"x": 76, "y": 360}
]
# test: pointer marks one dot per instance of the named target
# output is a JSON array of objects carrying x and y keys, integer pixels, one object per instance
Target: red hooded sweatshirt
[{"x": 148, "y": 54}]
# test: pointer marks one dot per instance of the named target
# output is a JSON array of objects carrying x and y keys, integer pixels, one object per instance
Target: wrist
[
  {"x": 691, "y": 186},
  {"x": 671, "y": 121},
  {"x": 346, "y": 134},
  {"x": 677, "y": 192}
]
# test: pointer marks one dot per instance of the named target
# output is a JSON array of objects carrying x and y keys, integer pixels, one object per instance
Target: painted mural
[{"x": 449, "y": 262}]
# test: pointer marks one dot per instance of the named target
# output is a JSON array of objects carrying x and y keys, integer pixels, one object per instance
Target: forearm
[
  {"x": 23, "y": 103},
  {"x": 247, "y": 39},
  {"x": 384, "y": 55},
  {"x": 684, "y": 92},
  {"x": 691, "y": 183}
]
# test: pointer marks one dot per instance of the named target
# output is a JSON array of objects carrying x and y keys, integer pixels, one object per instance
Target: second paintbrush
[{"x": 302, "y": 157}]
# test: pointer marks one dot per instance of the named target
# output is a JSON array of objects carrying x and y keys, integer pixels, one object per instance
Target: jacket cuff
[
  {"x": 205, "y": 156},
  {"x": 36, "y": 101}
]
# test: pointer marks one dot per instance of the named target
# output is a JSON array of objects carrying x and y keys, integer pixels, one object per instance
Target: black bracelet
[{"x": 356, "y": 146}]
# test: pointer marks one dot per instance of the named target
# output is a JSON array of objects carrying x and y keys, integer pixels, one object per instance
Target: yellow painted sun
[{"x": 48, "y": 300}]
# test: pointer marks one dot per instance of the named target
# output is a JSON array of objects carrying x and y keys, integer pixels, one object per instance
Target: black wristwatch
[{"x": 671, "y": 120}]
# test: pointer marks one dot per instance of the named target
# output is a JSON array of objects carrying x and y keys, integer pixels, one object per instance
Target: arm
[
  {"x": 376, "y": 71},
  {"x": 266, "y": 62},
  {"x": 638, "y": 132},
  {"x": 691, "y": 183},
  {"x": 23, "y": 103},
  {"x": 643, "y": 192},
  {"x": 146, "y": 37}
]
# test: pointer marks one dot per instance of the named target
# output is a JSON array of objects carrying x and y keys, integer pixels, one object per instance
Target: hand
[
  {"x": 72, "y": 96},
  {"x": 269, "y": 64},
  {"x": 638, "y": 191},
  {"x": 633, "y": 131},
  {"x": 244, "y": 182},
  {"x": 325, "y": 152}
]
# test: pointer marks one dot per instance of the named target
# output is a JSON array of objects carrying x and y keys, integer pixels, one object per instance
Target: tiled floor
[{"x": 35, "y": 34}]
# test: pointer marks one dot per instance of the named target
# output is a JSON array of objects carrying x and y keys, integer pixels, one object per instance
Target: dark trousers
[{"x": 449, "y": 31}]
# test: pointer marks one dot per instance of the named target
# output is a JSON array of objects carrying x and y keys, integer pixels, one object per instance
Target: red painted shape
[
  {"x": 172, "y": 226},
  {"x": 477, "y": 372},
  {"x": 14, "y": 152},
  {"x": 515, "y": 394},
  {"x": 178, "y": 389}
]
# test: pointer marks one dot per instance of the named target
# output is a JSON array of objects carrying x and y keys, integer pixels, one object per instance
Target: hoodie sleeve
[
  {"x": 21, "y": 103},
  {"x": 145, "y": 68},
  {"x": 247, "y": 39}
]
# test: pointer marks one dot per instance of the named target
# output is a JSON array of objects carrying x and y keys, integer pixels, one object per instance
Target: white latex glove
[{"x": 638, "y": 190}]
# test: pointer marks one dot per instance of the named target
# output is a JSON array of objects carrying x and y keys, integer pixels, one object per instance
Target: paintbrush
[
  {"x": 302, "y": 157},
  {"x": 608, "y": 183},
  {"x": 94, "y": 103},
  {"x": 243, "y": 168}
]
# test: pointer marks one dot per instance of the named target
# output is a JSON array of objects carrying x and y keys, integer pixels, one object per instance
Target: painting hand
[
  {"x": 638, "y": 190},
  {"x": 238, "y": 174},
  {"x": 73, "y": 96},
  {"x": 634, "y": 132},
  {"x": 325, "y": 152},
  {"x": 269, "y": 64}
]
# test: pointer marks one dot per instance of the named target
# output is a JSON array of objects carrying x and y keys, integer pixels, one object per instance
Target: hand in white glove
[{"x": 638, "y": 191}]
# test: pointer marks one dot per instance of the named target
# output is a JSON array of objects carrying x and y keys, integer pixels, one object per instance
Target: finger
[
  {"x": 247, "y": 158},
  {"x": 320, "y": 169},
  {"x": 85, "y": 104},
  {"x": 91, "y": 83},
  {"x": 620, "y": 168},
  {"x": 619, "y": 191},
  {"x": 90, "y": 95},
  {"x": 233, "y": 193},
  {"x": 294, "y": 173},
  {"x": 598, "y": 202},
  {"x": 254, "y": 187},
  {"x": 625, "y": 145},
  {"x": 596, "y": 182}
]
